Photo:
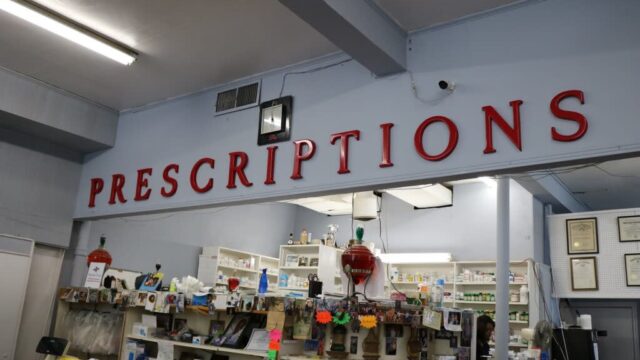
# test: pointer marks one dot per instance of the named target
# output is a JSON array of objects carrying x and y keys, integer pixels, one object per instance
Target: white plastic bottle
[
  {"x": 524, "y": 294},
  {"x": 284, "y": 280},
  {"x": 293, "y": 279},
  {"x": 437, "y": 293}
]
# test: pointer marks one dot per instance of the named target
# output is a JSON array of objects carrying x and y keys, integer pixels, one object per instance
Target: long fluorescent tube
[
  {"x": 415, "y": 258},
  {"x": 68, "y": 31}
]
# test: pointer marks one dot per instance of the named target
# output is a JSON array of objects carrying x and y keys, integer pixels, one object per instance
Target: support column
[
  {"x": 80, "y": 254},
  {"x": 502, "y": 270}
]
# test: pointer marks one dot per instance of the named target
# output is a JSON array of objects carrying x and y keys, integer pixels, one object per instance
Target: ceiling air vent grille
[
  {"x": 226, "y": 100},
  {"x": 238, "y": 98}
]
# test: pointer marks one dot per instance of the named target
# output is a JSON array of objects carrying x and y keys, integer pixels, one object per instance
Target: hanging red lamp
[
  {"x": 357, "y": 261},
  {"x": 100, "y": 255}
]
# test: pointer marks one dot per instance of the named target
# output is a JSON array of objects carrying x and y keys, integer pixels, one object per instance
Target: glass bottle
[{"x": 264, "y": 282}]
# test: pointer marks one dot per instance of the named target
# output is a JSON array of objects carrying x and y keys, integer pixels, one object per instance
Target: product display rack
[
  {"x": 295, "y": 266},
  {"x": 197, "y": 321},
  {"x": 246, "y": 266},
  {"x": 209, "y": 348},
  {"x": 455, "y": 284},
  {"x": 60, "y": 330}
]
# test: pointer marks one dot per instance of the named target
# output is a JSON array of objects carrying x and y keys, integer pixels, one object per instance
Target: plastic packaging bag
[{"x": 93, "y": 332}]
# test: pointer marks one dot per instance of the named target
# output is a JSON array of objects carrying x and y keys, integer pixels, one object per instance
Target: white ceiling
[
  {"x": 609, "y": 185},
  {"x": 185, "y": 46},
  {"x": 417, "y": 14}
]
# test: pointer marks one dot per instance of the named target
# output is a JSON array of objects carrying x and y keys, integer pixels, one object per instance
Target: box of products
[{"x": 140, "y": 329}]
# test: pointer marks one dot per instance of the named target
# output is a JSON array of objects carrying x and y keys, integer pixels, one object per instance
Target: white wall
[
  {"x": 610, "y": 258},
  {"x": 467, "y": 229},
  {"x": 530, "y": 52},
  {"x": 176, "y": 239},
  {"x": 39, "y": 181}
]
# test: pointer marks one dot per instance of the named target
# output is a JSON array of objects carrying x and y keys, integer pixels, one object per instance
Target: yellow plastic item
[{"x": 68, "y": 357}]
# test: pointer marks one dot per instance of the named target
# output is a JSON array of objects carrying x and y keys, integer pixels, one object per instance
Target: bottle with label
[
  {"x": 304, "y": 237},
  {"x": 293, "y": 280},
  {"x": 437, "y": 293},
  {"x": 264, "y": 282},
  {"x": 283, "y": 280}
]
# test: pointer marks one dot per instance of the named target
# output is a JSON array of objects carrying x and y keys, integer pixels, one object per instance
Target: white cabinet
[
  {"x": 472, "y": 285},
  {"x": 298, "y": 262},
  {"x": 246, "y": 266}
]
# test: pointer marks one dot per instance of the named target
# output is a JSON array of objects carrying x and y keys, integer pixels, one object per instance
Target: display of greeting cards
[
  {"x": 151, "y": 299},
  {"x": 141, "y": 298},
  {"x": 161, "y": 303},
  {"x": 452, "y": 320},
  {"x": 83, "y": 295},
  {"x": 93, "y": 296}
]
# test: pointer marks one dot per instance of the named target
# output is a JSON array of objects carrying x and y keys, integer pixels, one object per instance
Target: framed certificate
[
  {"x": 582, "y": 236},
  {"x": 584, "y": 273},
  {"x": 632, "y": 267},
  {"x": 629, "y": 228}
]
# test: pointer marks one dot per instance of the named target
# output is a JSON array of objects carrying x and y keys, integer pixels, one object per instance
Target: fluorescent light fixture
[
  {"x": 423, "y": 196},
  {"x": 488, "y": 181},
  {"x": 330, "y": 205},
  {"x": 68, "y": 30},
  {"x": 415, "y": 258}
]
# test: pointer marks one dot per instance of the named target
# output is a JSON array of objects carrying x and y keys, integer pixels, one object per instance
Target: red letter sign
[
  {"x": 453, "y": 138},
  {"x": 194, "y": 175},
  {"x": 299, "y": 156},
  {"x": 97, "y": 184},
  {"x": 344, "y": 148},
  {"x": 117, "y": 183},
  {"x": 386, "y": 145},
  {"x": 271, "y": 164},
  {"x": 141, "y": 184},
  {"x": 170, "y": 180},
  {"x": 513, "y": 133},
  {"x": 236, "y": 168},
  {"x": 583, "y": 124}
]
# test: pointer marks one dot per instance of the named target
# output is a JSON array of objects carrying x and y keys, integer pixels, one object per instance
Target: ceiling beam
[
  {"x": 549, "y": 189},
  {"x": 31, "y": 107},
  {"x": 559, "y": 191},
  {"x": 360, "y": 29}
]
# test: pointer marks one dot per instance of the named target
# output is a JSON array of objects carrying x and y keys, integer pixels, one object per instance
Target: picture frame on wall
[
  {"x": 632, "y": 269},
  {"x": 584, "y": 273},
  {"x": 582, "y": 236},
  {"x": 628, "y": 228}
]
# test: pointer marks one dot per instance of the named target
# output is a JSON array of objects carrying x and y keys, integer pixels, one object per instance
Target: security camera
[{"x": 446, "y": 85}]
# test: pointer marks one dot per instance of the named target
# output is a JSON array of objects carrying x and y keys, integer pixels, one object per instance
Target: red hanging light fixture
[
  {"x": 357, "y": 261},
  {"x": 100, "y": 255}
]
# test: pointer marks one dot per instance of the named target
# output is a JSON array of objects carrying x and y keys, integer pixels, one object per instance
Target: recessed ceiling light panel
[{"x": 423, "y": 196}]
